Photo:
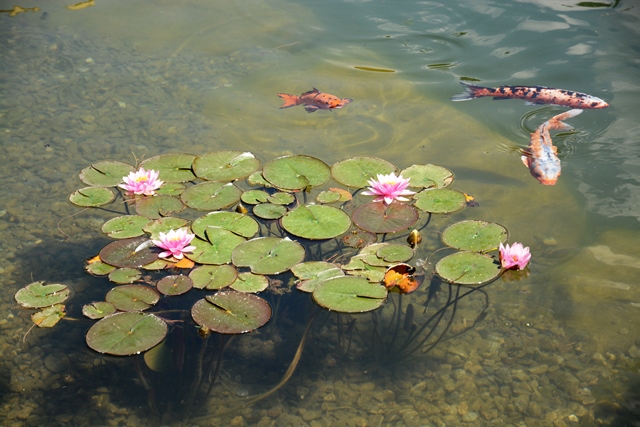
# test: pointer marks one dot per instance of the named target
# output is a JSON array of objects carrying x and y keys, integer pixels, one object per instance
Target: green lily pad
[
  {"x": 164, "y": 225},
  {"x": 124, "y": 276},
  {"x": 213, "y": 276},
  {"x": 312, "y": 273},
  {"x": 122, "y": 253},
  {"x": 428, "y": 176},
  {"x": 98, "y": 310},
  {"x": 440, "y": 200},
  {"x": 328, "y": 197},
  {"x": 268, "y": 255},
  {"x": 105, "y": 174},
  {"x": 225, "y": 166},
  {"x": 172, "y": 167},
  {"x": 99, "y": 268},
  {"x": 237, "y": 223},
  {"x": 231, "y": 312},
  {"x": 349, "y": 295},
  {"x": 158, "y": 264},
  {"x": 249, "y": 282},
  {"x": 475, "y": 235},
  {"x": 132, "y": 297},
  {"x": 257, "y": 180},
  {"x": 316, "y": 222},
  {"x": 48, "y": 317},
  {"x": 174, "y": 285},
  {"x": 211, "y": 196},
  {"x": 296, "y": 172},
  {"x": 157, "y": 207},
  {"x": 218, "y": 247},
  {"x": 171, "y": 189},
  {"x": 269, "y": 211},
  {"x": 468, "y": 268},
  {"x": 123, "y": 227},
  {"x": 91, "y": 197},
  {"x": 38, "y": 295},
  {"x": 123, "y": 334},
  {"x": 378, "y": 217},
  {"x": 282, "y": 198},
  {"x": 393, "y": 253},
  {"x": 254, "y": 197},
  {"x": 355, "y": 172}
]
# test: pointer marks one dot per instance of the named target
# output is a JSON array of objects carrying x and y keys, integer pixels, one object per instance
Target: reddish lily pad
[
  {"x": 174, "y": 285},
  {"x": 378, "y": 217},
  {"x": 122, "y": 253},
  {"x": 231, "y": 312}
]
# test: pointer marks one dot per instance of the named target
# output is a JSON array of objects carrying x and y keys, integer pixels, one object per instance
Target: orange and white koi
[
  {"x": 314, "y": 100},
  {"x": 533, "y": 95},
  {"x": 541, "y": 157}
]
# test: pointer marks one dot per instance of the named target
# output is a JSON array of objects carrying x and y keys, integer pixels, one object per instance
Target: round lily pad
[
  {"x": 122, "y": 253},
  {"x": 123, "y": 334},
  {"x": 123, "y": 276},
  {"x": 268, "y": 255},
  {"x": 157, "y": 207},
  {"x": 328, "y": 197},
  {"x": 296, "y": 172},
  {"x": 171, "y": 189},
  {"x": 164, "y": 225},
  {"x": 38, "y": 294},
  {"x": 357, "y": 171},
  {"x": 105, "y": 174},
  {"x": 225, "y": 166},
  {"x": 211, "y": 196},
  {"x": 91, "y": 197},
  {"x": 48, "y": 317},
  {"x": 281, "y": 198},
  {"x": 428, "y": 176},
  {"x": 132, "y": 297},
  {"x": 393, "y": 253},
  {"x": 378, "y": 217},
  {"x": 316, "y": 222},
  {"x": 254, "y": 197},
  {"x": 256, "y": 179},
  {"x": 99, "y": 268},
  {"x": 174, "y": 285},
  {"x": 359, "y": 238},
  {"x": 475, "y": 235},
  {"x": 237, "y": 223},
  {"x": 98, "y": 310},
  {"x": 468, "y": 268},
  {"x": 350, "y": 294},
  {"x": 269, "y": 211},
  {"x": 440, "y": 200},
  {"x": 213, "y": 276},
  {"x": 172, "y": 167},
  {"x": 249, "y": 282},
  {"x": 231, "y": 312},
  {"x": 217, "y": 248},
  {"x": 312, "y": 273},
  {"x": 125, "y": 226}
]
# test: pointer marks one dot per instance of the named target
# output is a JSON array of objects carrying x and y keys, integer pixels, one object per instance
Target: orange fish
[{"x": 314, "y": 100}]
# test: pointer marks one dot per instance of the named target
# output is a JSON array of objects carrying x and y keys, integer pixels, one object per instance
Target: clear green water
[{"x": 123, "y": 81}]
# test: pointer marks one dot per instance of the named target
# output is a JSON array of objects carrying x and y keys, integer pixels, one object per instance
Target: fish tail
[
  {"x": 470, "y": 92},
  {"x": 289, "y": 100},
  {"x": 557, "y": 121}
]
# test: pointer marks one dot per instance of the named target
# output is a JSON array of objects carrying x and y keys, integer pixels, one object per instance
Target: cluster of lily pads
[{"x": 238, "y": 224}]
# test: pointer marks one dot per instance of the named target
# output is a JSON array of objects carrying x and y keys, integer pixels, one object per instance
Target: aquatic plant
[
  {"x": 175, "y": 243},
  {"x": 388, "y": 188},
  {"x": 516, "y": 256},
  {"x": 142, "y": 182}
]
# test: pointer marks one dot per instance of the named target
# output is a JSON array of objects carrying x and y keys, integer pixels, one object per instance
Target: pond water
[{"x": 125, "y": 81}]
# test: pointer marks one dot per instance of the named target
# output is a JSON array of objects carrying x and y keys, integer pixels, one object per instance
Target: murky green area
[{"x": 126, "y": 81}]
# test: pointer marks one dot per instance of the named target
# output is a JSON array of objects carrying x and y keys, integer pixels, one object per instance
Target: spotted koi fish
[
  {"x": 533, "y": 95},
  {"x": 314, "y": 100},
  {"x": 541, "y": 157}
]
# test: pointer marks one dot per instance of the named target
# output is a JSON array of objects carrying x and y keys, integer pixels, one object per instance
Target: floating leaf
[
  {"x": 225, "y": 166},
  {"x": 37, "y": 294},
  {"x": 105, "y": 174},
  {"x": 231, "y": 312},
  {"x": 99, "y": 268},
  {"x": 316, "y": 222},
  {"x": 123, "y": 276},
  {"x": 174, "y": 285},
  {"x": 254, "y": 197},
  {"x": 123, "y": 227},
  {"x": 296, "y": 172},
  {"x": 312, "y": 273},
  {"x": 122, "y": 253},
  {"x": 91, "y": 197},
  {"x": 132, "y": 297},
  {"x": 237, "y": 223},
  {"x": 282, "y": 198},
  {"x": 123, "y": 334},
  {"x": 98, "y": 310},
  {"x": 211, "y": 196},
  {"x": 48, "y": 317},
  {"x": 328, "y": 197},
  {"x": 163, "y": 225},
  {"x": 249, "y": 282},
  {"x": 428, "y": 176},
  {"x": 378, "y": 217},
  {"x": 269, "y": 211},
  {"x": 171, "y": 189},
  {"x": 401, "y": 276},
  {"x": 172, "y": 167},
  {"x": 157, "y": 207},
  {"x": 395, "y": 253},
  {"x": 468, "y": 268},
  {"x": 349, "y": 294},
  {"x": 213, "y": 276},
  {"x": 359, "y": 238},
  {"x": 268, "y": 255},
  {"x": 355, "y": 172},
  {"x": 474, "y": 235},
  {"x": 442, "y": 200},
  {"x": 217, "y": 248},
  {"x": 256, "y": 179}
]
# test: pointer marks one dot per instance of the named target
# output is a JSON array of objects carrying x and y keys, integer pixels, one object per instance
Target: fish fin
[
  {"x": 526, "y": 159},
  {"x": 311, "y": 92},
  {"x": 557, "y": 123},
  {"x": 345, "y": 101},
  {"x": 468, "y": 93},
  {"x": 289, "y": 100},
  {"x": 311, "y": 108}
]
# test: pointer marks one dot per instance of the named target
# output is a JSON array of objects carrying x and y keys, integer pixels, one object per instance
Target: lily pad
[
  {"x": 132, "y": 297},
  {"x": 356, "y": 171},
  {"x": 350, "y": 294},
  {"x": 171, "y": 189},
  {"x": 123, "y": 334},
  {"x": 237, "y": 223},
  {"x": 213, "y": 276},
  {"x": 225, "y": 166},
  {"x": 38, "y": 294},
  {"x": 163, "y": 225},
  {"x": 268, "y": 255},
  {"x": 428, "y": 176},
  {"x": 211, "y": 196},
  {"x": 218, "y": 247},
  {"x": 296, "y": 172},
  {"x": 249, "y": 282},
  {"x": 172, "y": 167},
  {"x": 316, "y": 222},
  {"x": 329, "y": 197},
  {"x": 174, "y": 285},
  {"x": 441, "y": 200},
  {"x": 395, "y": 253},
  {"x": 157, "y": 207},
  {"x": 231, "y": 312},
  {"x": 312, "y": 273},
  {"x": 123, "y": 276},
  {"x": 269, "y": 211},
  {"x": 378, "y": 217},
  {"x": 254, "y": 197},
  {"x": 98, "y": 310},
  {"x": 91, "y": 197},
  {"x": 122, "y": 253},
  {"x": 475, "y": 235},
  {"x": 256, "y": 179},
  {"x": 281, "y": 198},
  {"x": 105, "y": 174},
  {"x": 99, "y": 268},
  {"x": 468, "y": 268},
  {"x": 123, "y": 227},
  {"x": 48, "y": 317}
]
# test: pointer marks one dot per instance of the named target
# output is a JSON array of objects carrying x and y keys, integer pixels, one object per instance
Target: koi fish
[
  {"x": 533, "y": 95},
  {"x": 541, "y": 157},
  {"x": 314, "y": 100}
]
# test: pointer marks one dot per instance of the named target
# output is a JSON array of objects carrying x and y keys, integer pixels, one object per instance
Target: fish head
[
  {"x": 546, "y": 172},
  {"x": 339, "y": 103}
]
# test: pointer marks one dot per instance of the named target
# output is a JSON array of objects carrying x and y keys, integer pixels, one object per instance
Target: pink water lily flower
[
  {"x": 175, "y": 243},
  {"x": 514, "y": 256},
  {"x": 142, "y": 182},
  {"x": 388, "y": 188}
]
